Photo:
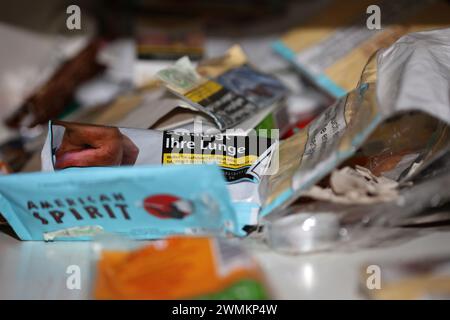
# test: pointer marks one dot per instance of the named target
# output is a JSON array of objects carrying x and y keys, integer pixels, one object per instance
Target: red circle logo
[{"x": 166, "y": 206}]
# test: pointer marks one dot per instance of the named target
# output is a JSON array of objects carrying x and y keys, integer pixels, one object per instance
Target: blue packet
[
  {"x": 141, "y": 202},
  {"x": 241, "y": 158}
]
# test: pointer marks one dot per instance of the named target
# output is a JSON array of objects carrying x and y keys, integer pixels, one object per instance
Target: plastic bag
[{"x": 394, "y": 123}]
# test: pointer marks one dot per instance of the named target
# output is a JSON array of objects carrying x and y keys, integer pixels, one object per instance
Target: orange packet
[{"x": 180, "y": 268}]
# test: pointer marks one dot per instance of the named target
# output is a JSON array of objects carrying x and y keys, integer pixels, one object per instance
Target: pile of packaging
[{"x": 189, "y": 150}]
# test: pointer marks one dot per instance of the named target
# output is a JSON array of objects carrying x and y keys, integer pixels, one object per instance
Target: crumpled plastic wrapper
[
  {"x": 395, "y": 123},
  {"x": 419, "y": 207}
]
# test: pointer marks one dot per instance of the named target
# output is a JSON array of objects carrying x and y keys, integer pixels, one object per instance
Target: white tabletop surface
[{"x": 37, "y": 270}]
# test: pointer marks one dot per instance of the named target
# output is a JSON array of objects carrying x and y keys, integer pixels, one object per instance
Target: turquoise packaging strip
[
  {"x": 141, "y": 202},
  {"x": 321, "y": 80}
]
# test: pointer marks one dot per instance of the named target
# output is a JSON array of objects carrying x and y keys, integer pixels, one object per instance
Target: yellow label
[
  {"x": 203, "y": 91},
  {"x": 220, "y": 160}
]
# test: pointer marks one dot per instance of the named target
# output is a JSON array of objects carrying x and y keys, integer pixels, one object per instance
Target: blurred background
[{"x": 48, "y": 70}]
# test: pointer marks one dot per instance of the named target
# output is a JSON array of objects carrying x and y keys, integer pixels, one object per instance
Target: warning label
[{"x": 234, "y": 154}]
